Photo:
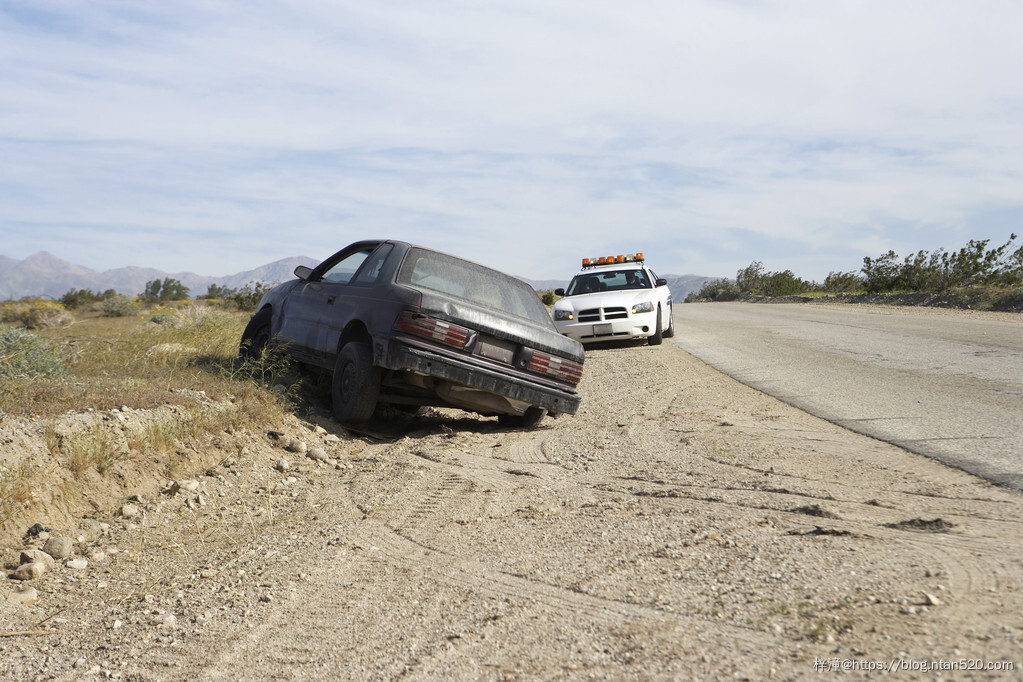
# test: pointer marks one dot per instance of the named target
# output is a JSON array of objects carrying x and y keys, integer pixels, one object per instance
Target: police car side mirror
[
  {"x": 661, "y": 282},
  {"x": 559, "y": 292}
]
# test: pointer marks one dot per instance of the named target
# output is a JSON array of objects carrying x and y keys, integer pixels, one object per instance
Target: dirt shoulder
[{"x": 681, "y": 525}]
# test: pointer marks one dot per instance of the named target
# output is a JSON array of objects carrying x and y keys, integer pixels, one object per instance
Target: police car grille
[{"x": 600, "y": 314}]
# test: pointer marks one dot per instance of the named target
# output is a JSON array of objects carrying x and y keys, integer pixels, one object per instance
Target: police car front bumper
[{"x": 635, "y": 326}]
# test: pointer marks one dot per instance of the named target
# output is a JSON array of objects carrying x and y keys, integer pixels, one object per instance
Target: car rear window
[{"x": 471, "y": 282}]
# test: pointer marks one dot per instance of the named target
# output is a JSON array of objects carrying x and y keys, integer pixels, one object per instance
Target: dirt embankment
[{"x": 681, "y": 525}]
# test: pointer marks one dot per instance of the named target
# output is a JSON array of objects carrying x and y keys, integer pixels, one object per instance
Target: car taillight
[
  {"x": 432, "y": 328},
  {"x": 559, "y": 368}
]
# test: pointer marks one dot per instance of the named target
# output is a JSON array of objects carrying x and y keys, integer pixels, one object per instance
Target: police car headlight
[
  {"x": 563, "y": 315},
  {"x": 644, "y": 307}
]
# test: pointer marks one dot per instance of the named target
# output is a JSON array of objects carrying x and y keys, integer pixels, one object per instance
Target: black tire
[
  {"x": 658, "y": 336},
  {"x": 256, "y": 335},
  {"x": 355, "y": 386},
  {"x": 530, "y": 420},
  {"x": 670, "y": 331}
]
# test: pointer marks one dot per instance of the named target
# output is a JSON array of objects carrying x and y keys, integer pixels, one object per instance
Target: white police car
[{"x": 615, "y": 298}]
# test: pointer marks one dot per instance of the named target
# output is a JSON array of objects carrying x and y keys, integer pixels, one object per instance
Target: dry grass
[
  {"x": 16, "y": 486},
  {"x": 132, "y": 361},
  {"x": 97, "y": 447},
  {"x": 184, "y": 376}
]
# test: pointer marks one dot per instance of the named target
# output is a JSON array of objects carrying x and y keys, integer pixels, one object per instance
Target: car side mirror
[
  {"x": 559, "y": 292},
  {"x": 661, "y": 282},
  {"x": 303, "y": 272}
]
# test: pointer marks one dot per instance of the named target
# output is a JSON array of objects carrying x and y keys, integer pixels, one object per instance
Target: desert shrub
[
  {"x": 716, "y": 290},
  {"x": 750, "y": 280},
  {"x": 38, "y": 313},
  {"x": 79, "y": 298},
  {"x": 168, "y": 289},
  {"x": 248, "y": 297},
  {"x": 120, "y": 305},
  {"x": 754, "y": 280},
  {"x": 24, "y": 355},
  {"x": 270, "y": 368},
  {"x": 973, "y": 265},
  {"x": 164, "y": 316},
  {"x": 547, "y": 297},
  {"x": 168, "y": 319},
  {"x": 881, "y": 273},
  {"x": 842, "y": 282},
  {"x": 784, "y": 284},
  {"x": 217, "y": 292}
]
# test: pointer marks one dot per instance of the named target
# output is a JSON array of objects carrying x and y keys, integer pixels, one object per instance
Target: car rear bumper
[{"x": 394, "y": 355}]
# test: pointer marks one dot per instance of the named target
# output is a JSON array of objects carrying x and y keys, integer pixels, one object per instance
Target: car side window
[
  {"x": 342, "y": 271},
  {"x": 371, "y": 268}
]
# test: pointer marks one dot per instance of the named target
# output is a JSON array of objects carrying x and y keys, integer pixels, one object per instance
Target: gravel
[{"x": 681, "y": 526}]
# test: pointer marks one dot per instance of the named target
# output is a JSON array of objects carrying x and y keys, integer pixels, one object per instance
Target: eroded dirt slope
[{"x": 680, "y": 526}]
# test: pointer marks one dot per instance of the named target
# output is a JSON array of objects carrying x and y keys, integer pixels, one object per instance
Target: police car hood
[{"x": 604, "y": 299}]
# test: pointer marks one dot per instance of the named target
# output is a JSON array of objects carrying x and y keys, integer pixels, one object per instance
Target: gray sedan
[{"x": 408, "y": 326}]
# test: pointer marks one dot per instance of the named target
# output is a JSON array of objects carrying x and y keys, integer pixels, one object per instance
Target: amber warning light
[{"x": 611, "y": 260}]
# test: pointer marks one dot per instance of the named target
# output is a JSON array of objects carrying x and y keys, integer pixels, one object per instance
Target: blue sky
[{"x": 215, "y": 136}]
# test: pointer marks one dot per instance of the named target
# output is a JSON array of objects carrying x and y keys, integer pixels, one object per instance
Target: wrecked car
[{"x": 399, "y": 324}]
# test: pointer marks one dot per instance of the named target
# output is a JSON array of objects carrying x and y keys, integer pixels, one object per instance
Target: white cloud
[{"x": 196, "y": 135}]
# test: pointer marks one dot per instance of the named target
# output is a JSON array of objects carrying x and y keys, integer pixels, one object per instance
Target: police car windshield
[{"x": 613, "y": 280}]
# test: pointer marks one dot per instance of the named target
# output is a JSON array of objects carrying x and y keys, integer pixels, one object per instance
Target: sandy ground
[{"x": 681, "y": 526}]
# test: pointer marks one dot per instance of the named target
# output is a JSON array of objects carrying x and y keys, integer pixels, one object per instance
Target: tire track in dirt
[
  {"x": 405, "y": 538},
  {"x": 661, "y": 509},
  {"x": 387, "y": 545},
  {"x": 965, "y": 572},
  {"x": 968, "y": 560}
]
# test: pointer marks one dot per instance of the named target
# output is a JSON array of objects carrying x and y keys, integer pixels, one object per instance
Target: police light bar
[{"x": 611, "y": 260}]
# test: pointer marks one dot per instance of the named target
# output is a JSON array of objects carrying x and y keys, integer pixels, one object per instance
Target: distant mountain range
[{"x": 43, "y": 274}]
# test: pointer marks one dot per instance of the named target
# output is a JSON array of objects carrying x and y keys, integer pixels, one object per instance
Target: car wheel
[
  {"x": 531, "y": 419},
  {"x": 670, "y": 331},
  {"x": 355, "y": 385},
  {"x": 256, "y": 335},
  {"x": 655, "y": 339}
]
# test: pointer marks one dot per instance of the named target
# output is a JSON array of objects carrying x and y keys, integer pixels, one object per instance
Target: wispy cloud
[{"x": 214, "y": 137}]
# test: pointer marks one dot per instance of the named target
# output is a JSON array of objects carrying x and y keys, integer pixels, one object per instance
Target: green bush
[
  {"x": 842, "y": 282},
  {"x": 164, "y": 318},
  {"x": 754, "y": 280},
  {"x": 39, "y": 313},
  {"x": 973, "y": 265},
  {"x": 79, "y": 298},
  {"x": 248, "y": 297},
  {"x": 24, "y": 355},
  {"x": 785, "y": 283},
  {"x": 168, "y": 289},
  {"x": 547, "y": 297},
  {"x": 750, "y": 280},
  {"x": 716, "y": 290},
  {"x": 120, "y": 305}
]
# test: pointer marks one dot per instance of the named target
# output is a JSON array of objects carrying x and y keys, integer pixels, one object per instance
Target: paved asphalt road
[{"x": 945, "y": 384}]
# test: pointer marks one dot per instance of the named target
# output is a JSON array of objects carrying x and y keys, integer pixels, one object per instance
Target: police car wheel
[{"x": 655, "y": 339}]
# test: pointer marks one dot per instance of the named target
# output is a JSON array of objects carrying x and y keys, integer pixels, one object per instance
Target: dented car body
[{"x": 404, "y": 325}]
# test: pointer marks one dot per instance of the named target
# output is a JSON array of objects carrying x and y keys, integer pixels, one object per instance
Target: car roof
[{"x": 632, "y": 265}]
